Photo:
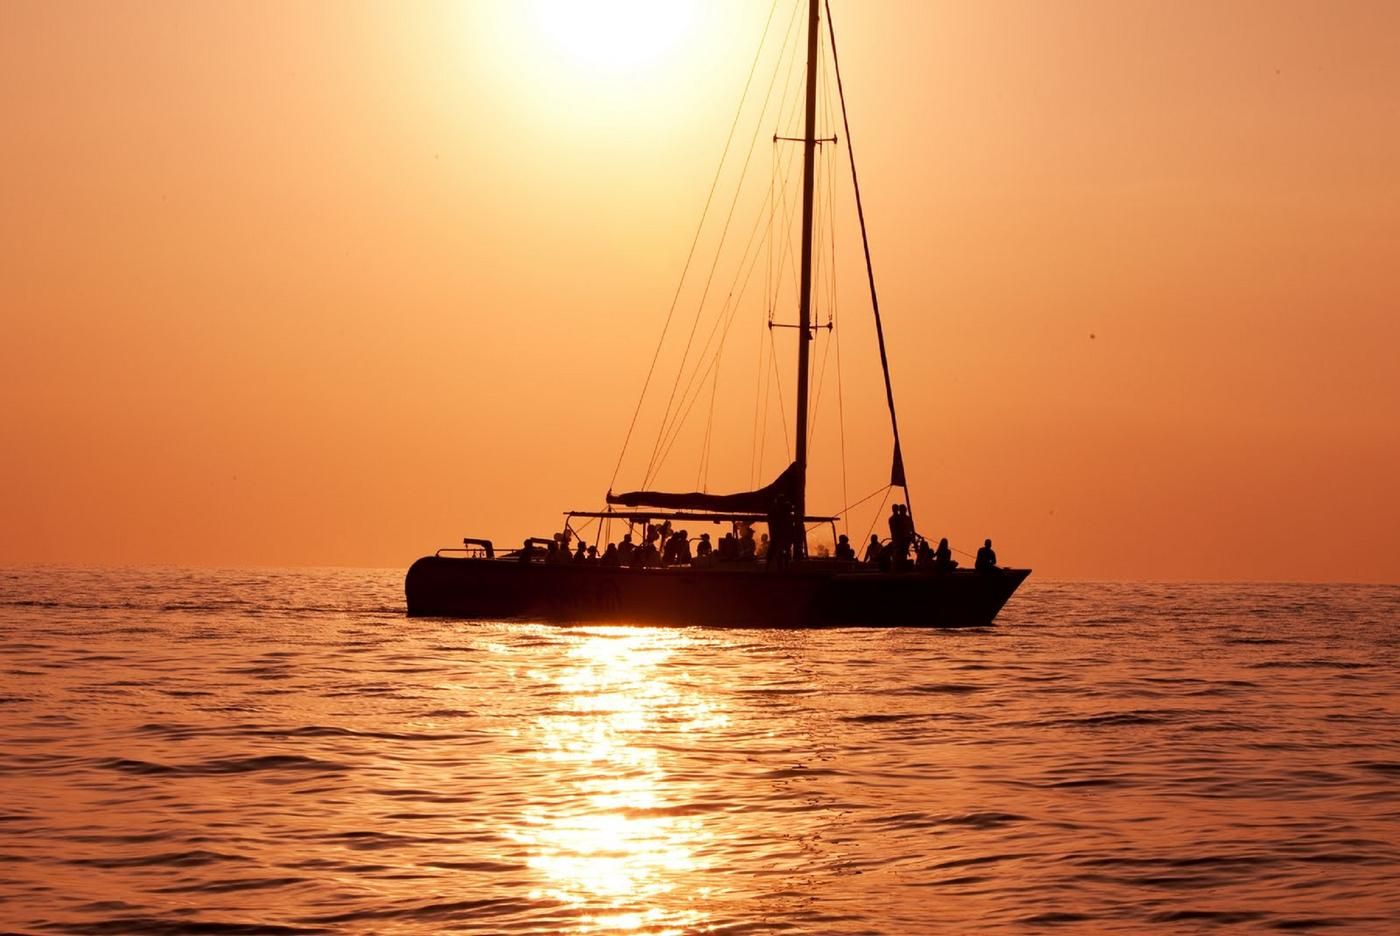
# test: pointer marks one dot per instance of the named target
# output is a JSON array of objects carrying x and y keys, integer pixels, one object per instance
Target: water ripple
[{"x": 267, "y": 751}]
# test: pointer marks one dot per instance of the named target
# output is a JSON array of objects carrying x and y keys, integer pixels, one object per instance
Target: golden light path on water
[
  {"x": 255, "y": 751},
  {"x": 617, "y": 834}
]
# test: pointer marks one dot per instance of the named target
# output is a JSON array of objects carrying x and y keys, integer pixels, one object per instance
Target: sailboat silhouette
[{"x": 731, "y": 587}]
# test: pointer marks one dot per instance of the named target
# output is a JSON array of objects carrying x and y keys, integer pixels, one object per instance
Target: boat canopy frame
[{"x": 644, "y": 516}]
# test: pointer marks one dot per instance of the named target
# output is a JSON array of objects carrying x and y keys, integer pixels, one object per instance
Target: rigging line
[
  {"x": 759, "y": 372},
  {"x": 822, "y": 272},
  {"x": 697, "y": 373},
  {"x": 732, "y": 307},
  {"x": 787, "y": 252},
  {"x": 761, "y": 443},
  {"x": 831, "y": 202},
  {"x": 867, "y": 497},
  {"x": 695, "y": 241},
  {"x": 709, "y": 428},
  {"x": 840, "y": 401},
  {"x": 671, "y": 430},
  {"x": 830, "y": 282},
  {"x": 715, "y": 368},
  {"x": 704, "y": 453},
  {"x": 739, "y": 187},
  {"x": 772, "y": 216},
  {"x": 676, "y": 419},
  {"x": 841, "y": 424},
  {"x": 712, "y": 368},
  {"x": 726, "y": 317},
  {"x": 579, "y": 529},
  {"x": 782, "y": 407},
  {"x": 813, "y": 376},
  {"x": 817, "y": 396},
  {"x": 869, "y": 268},
  {"x": 878, "y": 510}
]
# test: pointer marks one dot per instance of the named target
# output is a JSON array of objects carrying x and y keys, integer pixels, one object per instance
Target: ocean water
[{"x": 284, "y": 752}]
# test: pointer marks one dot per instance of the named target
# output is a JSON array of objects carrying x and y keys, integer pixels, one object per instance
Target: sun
[{"x": 614, "y": 36}]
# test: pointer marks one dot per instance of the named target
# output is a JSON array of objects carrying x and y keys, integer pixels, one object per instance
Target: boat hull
[{"x": 811, "y": 594}]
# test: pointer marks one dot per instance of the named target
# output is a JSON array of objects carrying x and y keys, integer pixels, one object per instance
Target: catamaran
[{"x": 791, "y": 587}]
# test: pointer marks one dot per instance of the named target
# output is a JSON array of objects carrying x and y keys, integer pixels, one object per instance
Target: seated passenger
[
  {"x": 874, "y": 550},
  {"x": 527, "y": 551},
  {"x": 764, "y": 544},
  {"x": 747, "y": 546},
  {"x": 923, "y": 555},
  {"x": 728, "y": 548},
  {"x": 986, "y": 558},
  {"x": 648, "y": 556},
  {"x": 624, "y": 551},
  {"x": 843, "y": 548},
  {"x": 581, "y": 555},
  {"x": 943, "y": 557},
  {"x": 703, "y": 548},
  {"x": 611, "y": 557},
  {"x": 677, "y": 551}
]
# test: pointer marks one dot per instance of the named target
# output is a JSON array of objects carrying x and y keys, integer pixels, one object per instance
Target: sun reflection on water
[{"x": 618, "y": 836}]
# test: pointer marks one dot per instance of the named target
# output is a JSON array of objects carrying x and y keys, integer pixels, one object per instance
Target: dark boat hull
[{"x": 812, "y": 594}]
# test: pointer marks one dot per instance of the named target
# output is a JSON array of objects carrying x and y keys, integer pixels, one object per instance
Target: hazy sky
[{"x": 339, "y": 283}]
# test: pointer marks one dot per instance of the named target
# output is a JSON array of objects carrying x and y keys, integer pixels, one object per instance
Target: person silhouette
[
  {"x": 901, "y": 533},
  {"x": 986, "y": 558},
  {"x": 873, "y": 550},
  {"x": 943, "y": 556},
  {"x": 843, "y": 548}
]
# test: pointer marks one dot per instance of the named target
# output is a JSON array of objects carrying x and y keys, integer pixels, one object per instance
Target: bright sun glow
[{"x": 614, "y": 36}]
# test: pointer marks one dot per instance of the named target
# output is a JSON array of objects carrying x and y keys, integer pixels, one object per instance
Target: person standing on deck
[
  {"x": 780, "y": 539},
  {"x": 901, "y": 535}
]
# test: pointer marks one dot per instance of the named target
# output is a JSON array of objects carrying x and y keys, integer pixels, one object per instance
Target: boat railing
[{"x": 472, "y": 548}]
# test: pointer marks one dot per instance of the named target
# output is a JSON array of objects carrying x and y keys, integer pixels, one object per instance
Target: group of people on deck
[
  {"x": 664, "y": 547},
  {"x": 894, "y": 554},
  {"x": 661, "y": 547}
]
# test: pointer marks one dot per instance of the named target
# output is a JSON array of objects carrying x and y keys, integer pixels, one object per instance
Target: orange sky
[{"x": 338, "y": 283}]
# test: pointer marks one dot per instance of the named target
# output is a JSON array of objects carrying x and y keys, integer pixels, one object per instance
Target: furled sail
[{"x": 750, "y": 502}]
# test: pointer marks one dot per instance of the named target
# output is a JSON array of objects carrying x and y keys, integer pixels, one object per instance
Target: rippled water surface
[{"x": 268, "y": 751}]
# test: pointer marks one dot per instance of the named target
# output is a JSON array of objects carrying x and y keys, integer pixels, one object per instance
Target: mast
[
  {"x": 804, "y": 313},
  {"x": 897, "y": 476}
]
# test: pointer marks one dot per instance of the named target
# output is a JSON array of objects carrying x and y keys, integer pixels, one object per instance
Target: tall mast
[{"x": 804, "y": 311}]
